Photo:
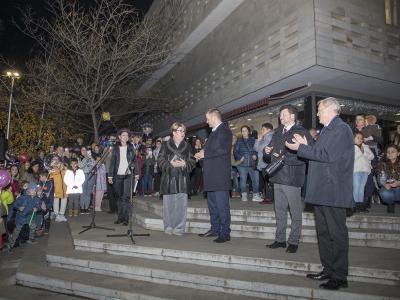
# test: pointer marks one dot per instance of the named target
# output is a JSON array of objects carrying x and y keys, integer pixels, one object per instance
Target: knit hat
[{"x": 32, "y": 186}]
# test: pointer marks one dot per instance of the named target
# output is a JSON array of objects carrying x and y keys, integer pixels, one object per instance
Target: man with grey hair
[{"x": 329, "y": 189}]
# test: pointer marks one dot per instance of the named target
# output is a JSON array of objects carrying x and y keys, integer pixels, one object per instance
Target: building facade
[{"x": 232, "y": 53}]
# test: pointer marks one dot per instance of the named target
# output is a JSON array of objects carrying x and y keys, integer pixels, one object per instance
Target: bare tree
[{"x": 94, "y": 57}]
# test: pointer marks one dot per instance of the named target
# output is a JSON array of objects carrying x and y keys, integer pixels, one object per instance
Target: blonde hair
[{"x": 176, "y": 125}]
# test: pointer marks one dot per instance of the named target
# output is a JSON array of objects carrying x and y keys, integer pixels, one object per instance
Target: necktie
[{"x": 284, "y": 130}]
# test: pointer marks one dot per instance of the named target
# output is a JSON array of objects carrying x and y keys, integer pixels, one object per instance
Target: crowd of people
[{"x": 336, "y": 169}]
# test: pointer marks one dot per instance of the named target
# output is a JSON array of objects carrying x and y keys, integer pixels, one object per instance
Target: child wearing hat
[{"x": 26, "y": 206}]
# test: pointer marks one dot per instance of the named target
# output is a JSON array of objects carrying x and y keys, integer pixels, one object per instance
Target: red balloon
[
  {"x": 23, "y": 157},
  {"x": 5, "y": 178}
]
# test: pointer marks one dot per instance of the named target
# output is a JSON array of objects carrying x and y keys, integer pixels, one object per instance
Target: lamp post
[{"x": 13, "y": 76}]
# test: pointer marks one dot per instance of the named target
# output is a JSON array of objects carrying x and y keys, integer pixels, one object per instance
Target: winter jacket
[
  {"x": 362, "y": 161},
  {"x": 115, "y": 158},
  {"x": 294, "y": 168},
  {"x": 6, "y": 199},
  {"x": 46, "y": 192},
  {"x": 60, "y": 189},
  {"x": 259, "y": 147},
  {"x": 74, "y": 178},
  {"x": 148, "y": 166},
  {"x": 86, "y": 164},
  {"x": 330, "y": 166},
  {"x": 245, "y": 148},
  {"x": 175, "y": 180},
  {"x": 28, "y": 203}
]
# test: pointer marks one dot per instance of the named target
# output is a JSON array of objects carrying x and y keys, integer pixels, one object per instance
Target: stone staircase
[
  {"x": 364, "y": 230},
  {"x": 188, "y": 267}
]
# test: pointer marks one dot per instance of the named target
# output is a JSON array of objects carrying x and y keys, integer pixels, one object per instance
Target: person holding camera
[
  {"x": 288, "y": 179},
  {"x": 176, "y": 162}
]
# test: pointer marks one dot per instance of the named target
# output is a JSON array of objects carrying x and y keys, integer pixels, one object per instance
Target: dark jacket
[
  {"x": 245, "y": 148},
  {"x": 148, "y": 166},
  {"x": 217, "y": 160},
  {"x": 330, "y": 169},
  {"x": 29, "y": 203},
  {"x": 115, "y": 158},
  {"x": 294, "y": 169},
  {"x": 175, "y": 180}
]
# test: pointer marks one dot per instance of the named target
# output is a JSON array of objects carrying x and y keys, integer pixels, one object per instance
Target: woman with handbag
[{"x": 244, "y": 150}]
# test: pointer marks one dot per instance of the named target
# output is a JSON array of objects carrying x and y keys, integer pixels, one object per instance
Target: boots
[
  {"x": 390, "y": 208},
  {"x": 70, "y": 213},
  {"x": 76, "y": 212},
  {"x": 244, "y": 197}
]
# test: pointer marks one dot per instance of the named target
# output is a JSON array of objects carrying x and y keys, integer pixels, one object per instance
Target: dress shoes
[
  {"x": 118, "y": 222},
  {"x": 292, "y": 248},
  {"x": 334, "y": 284},
  {"x": 223, "y": 239},
  {"x": 125, "y": 223},
  {"x": 319, "y": 276},
  {"x": 208, "y": 233},
  {"x": 276, "y": 244}
]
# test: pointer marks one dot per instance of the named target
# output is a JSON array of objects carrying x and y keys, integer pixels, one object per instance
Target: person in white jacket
[
  {"x": 362, "y": 168},
  {"x": 74, "y": 179}
]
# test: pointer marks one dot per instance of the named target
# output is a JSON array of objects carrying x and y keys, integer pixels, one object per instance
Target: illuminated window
[{"x": 392, "y": 9}]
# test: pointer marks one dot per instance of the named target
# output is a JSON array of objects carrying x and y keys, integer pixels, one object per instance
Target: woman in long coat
[{"x": 176, "y": 162}]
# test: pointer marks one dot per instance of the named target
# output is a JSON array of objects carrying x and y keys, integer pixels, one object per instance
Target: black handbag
[{"x": 274, "y": 167}]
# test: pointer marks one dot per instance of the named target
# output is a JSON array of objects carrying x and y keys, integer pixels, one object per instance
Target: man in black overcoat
[
  {"x": 330, "y": 190},
  {"x": 217, "y": 176}
]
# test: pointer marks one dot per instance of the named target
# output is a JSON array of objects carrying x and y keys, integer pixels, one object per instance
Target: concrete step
[
  {"x": 212, "y": 279},
  {"x": 367, "y": 264},
  {"x": 357, "y": 237},
  {"x": 291, "y": 266},
  {"x": 34, "y": 272},
  {"x": 264, "y": 214}
]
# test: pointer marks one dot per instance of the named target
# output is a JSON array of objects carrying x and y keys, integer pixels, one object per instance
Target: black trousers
[
  {"x": 122, "y": 188},
  {"x": 333, "y": 240},
  {"x": 112, "y": 198}
]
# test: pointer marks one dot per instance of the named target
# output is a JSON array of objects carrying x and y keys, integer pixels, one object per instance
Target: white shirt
[
  {"x": 123, "y": 161},
  {"x": 215, "y": 128},
  {"x": 288, "y": 127}
]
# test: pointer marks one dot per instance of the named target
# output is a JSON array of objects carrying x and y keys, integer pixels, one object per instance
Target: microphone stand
[
  {"x": 92, "y": 172},
  {"x": 130, "y": 233}
]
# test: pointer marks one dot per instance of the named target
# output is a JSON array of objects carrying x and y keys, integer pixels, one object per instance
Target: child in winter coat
[
  {"x": 26, "y": 206},
  {"x": 46, "y": 195},
  {"x": 57, "y": 174},
  {"x": 74, "y": 179}
]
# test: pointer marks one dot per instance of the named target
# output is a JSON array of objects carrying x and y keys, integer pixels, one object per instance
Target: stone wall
[
  {"x": 261, "y": 42},
  {"x": 352, "y": 36}
]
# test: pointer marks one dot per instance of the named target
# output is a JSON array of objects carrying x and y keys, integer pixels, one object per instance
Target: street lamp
[{"x": 13, "y": 75}]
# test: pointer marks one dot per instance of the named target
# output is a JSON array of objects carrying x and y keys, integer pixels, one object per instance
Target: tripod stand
[
  {"x": 93, "y": 172},
  {"x": 130, "y": 233}
]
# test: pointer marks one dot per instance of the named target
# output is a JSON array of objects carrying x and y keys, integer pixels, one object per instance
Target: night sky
[{"x": 17, "y": 47}]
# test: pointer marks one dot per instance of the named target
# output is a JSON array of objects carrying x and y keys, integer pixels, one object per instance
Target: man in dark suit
[
  {"x": 217, "y": 176},
  {"x": 123, "y": 163},
  {"x": 288, "y": 180},
  {"x": 329, "y": 189}
]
